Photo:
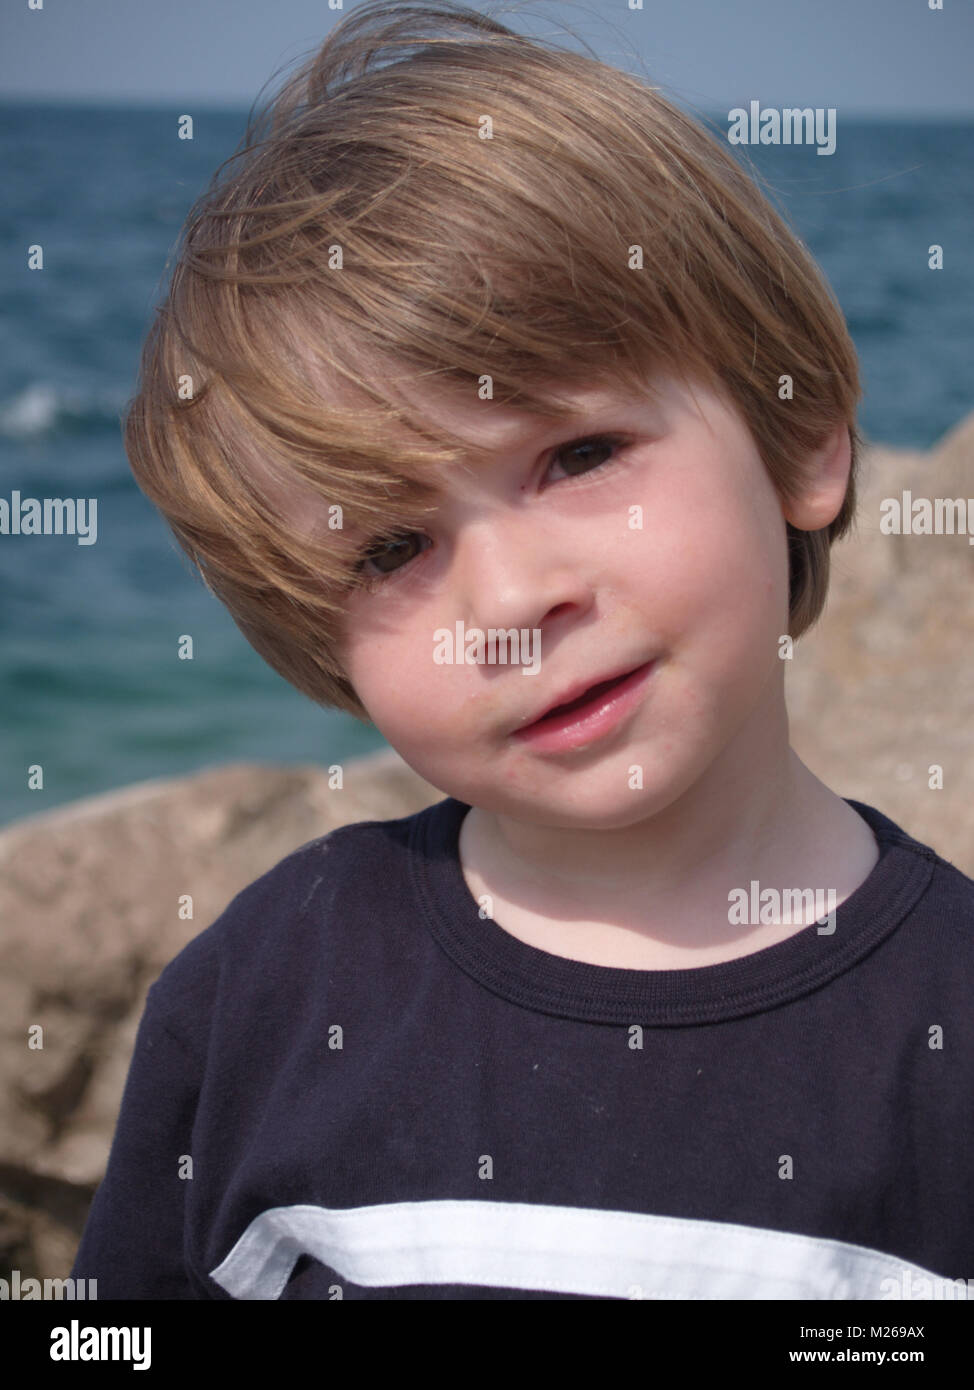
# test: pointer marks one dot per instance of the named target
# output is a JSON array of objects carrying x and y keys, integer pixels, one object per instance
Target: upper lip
[{"x": 579, "y": 688}]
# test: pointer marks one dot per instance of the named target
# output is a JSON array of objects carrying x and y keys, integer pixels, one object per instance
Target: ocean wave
[{"x": 42, "y": 409}]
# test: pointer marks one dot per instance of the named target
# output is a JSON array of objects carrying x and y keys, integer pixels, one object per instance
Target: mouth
[{"x": 590, "y": 695}]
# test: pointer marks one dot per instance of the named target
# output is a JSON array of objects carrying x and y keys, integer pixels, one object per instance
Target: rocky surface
[
  {"x": 881, "y": 690},
  {"x": 90, "y": 900}
]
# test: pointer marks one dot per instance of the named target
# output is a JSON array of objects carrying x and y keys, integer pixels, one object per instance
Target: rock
[
  {"x": 90, "y": 899},
  {"x": 881, "y": 690}
]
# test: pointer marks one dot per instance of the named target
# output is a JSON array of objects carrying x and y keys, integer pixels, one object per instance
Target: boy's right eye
[{"x": 385, "y": 557}]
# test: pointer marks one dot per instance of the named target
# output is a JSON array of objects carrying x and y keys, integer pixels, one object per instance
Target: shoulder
[
  {"x": 951, "y": 897},
  {"x": 933, "y": 892},
  {"x": 273, "y": 923}
]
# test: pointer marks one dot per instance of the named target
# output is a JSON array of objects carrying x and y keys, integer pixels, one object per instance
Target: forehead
[
  {"x": 427, "y": 401},
  {"x": 484, "y": 428},
  {"x": 487, "y": 426}
]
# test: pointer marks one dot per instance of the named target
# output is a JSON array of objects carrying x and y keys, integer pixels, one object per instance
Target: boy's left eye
[
  {"x": 599, "y": 443},
  {"x": 396, "y": 552}
]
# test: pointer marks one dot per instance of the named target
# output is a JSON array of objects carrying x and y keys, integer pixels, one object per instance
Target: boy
[{"x": 642, "y": 1009}]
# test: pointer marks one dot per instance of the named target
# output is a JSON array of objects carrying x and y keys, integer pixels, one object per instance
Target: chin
[{"x": 608, "y": 809}]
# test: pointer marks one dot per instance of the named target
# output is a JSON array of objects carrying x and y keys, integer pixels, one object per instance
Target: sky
[{"x": 863, "y": 57}]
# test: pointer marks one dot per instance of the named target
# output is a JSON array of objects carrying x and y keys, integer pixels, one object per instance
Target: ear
[{"x": 827, "y": 477}]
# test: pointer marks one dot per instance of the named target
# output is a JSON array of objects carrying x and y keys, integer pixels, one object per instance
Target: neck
[{"x": 656, "y": 890}]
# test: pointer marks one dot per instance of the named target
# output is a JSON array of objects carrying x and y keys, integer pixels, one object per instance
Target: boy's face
[{"x": 531, "y": 540}]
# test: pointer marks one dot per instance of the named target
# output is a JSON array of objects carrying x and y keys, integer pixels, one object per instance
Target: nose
[{"x": 516, "y": 572}]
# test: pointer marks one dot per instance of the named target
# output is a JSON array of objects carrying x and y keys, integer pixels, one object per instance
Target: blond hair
[{"x": 364, "y": 225}]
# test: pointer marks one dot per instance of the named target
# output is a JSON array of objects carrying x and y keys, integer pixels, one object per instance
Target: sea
[{"x": 90, "y": 691}]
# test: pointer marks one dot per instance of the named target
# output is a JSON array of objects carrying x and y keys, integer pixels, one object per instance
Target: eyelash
[{"x": 615, "y": 441}]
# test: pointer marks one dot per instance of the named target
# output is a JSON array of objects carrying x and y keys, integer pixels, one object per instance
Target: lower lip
[{"x": 588, "y": 722}]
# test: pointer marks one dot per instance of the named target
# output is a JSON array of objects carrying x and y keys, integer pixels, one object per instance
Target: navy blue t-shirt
[{"x": 354, "y": 1085}]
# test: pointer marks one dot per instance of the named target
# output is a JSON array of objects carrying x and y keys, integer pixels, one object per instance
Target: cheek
[
  {"x": 375, "y": 666},
  {"x": 719, "y": 581},
  {"x": 400, "y": 685}
]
